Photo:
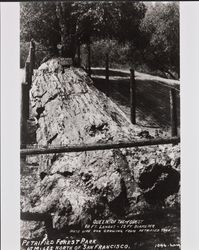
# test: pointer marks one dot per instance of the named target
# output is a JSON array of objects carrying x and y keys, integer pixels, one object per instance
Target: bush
[{"x": 118, "y": 54}]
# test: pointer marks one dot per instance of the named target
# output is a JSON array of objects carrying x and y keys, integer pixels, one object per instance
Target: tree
[
  {"x": 72, "y": 23},
  {"x": 160, "y": 33},
  {"x": 38, "y": 20},
  {"x": 130, "y": 17}
]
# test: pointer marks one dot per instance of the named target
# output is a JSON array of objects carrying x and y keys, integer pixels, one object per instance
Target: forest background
[{"x": 143, "y": 35}]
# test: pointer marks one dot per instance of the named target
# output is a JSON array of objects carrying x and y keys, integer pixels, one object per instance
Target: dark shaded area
[
  {"x": 111, "y": 73},
  {"x": 42, "y": 175},
  {"x": 118, "y": 204},
  {"x": 52, "y": 138},
  {"x": 158, "y": 182},
  {"x": 145, "y": 134},
  {"x": 98, "y": 129},
  {"x": 39, "y": 111}
]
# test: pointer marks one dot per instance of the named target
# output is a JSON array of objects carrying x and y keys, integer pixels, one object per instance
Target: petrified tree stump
[{"x": 77, "y": 187}]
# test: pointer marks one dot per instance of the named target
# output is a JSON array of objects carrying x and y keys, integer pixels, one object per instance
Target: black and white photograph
[{"x": 100, "y": 125}]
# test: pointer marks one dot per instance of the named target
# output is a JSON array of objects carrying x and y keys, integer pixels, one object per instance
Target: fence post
[
  {"x": 32, "y": 56},
  {"x": 173, "y": 112},
  {"x": 107, "y": 75},
  {"x": 27, "y": 86},
  {"x": 133, "y": 96},
  {"x": 25, "y": 112},
  {"x": 89, "y": 58},
  {"x": 25, "y": 89}
]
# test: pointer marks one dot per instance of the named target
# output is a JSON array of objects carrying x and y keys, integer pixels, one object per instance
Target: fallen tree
[{"x": 75, "y": 188}]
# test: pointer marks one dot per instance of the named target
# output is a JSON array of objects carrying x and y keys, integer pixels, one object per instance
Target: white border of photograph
[
  {"x": 189, "y": 57},
  {"x": 10, "y": 127},
  {"x": 10, "y": 117}
]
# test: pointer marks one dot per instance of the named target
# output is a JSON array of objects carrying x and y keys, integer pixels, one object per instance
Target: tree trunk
[
  {"x": 70, "y": 110},
  {"x": 76, "y": 187},
  {"x": 68, "y": 39}
]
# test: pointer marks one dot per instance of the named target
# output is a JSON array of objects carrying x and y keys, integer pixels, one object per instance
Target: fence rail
[{"x": 98, "y": 146}]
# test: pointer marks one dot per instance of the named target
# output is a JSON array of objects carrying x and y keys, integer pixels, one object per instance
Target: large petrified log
[{"x": 77, "y": 187}]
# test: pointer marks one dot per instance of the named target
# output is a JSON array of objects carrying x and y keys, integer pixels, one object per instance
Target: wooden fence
[
  {"x": 29, "y": 68},
  {"x": 172, "y": 90},
  {"x": 132, "y": 85}
]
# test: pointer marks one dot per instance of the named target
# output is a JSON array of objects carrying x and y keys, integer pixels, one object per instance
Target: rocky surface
[{"x": 74, "y": 188}]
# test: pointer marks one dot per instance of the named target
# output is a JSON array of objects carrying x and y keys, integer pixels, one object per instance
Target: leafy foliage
[
  {"x": 39, "y": 21},
  {"x": 72, "y": 23},
  {"x": 148, "y": 33},
  {"x": 160, "y": 29}
]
